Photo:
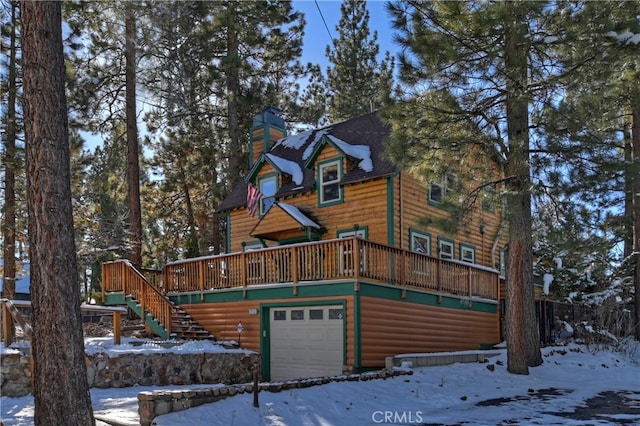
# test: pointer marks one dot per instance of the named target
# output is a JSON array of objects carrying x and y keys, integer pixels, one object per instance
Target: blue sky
[{"x": 316, "y": 37}]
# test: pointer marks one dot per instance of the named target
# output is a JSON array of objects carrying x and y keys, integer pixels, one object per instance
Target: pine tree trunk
[
  {"x": 133, "y": 162},
  {"x": 635, "y": 154},
  {"x": 233, "y": 91},
  {"x": 9, "y": 207},
  {"x": 60, "y": 388},
  {"x": 521, "y": 325}
]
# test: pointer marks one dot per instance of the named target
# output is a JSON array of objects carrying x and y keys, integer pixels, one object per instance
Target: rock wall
[
  {"x": 126, "y": 370},
  {"x": 157, "y": 403}
]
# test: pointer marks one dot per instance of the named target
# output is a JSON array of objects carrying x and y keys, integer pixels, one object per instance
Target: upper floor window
[
  {"x": 268, "y": 186},
  {"x": 438, "y": 190},
  {"x": 420, "y": 242},
  {"x": 329, "y": 175},
  {"x": 489, "y": 197},
  {"x": 467, "y": 253},
  {"x": 446, "y": 248}
]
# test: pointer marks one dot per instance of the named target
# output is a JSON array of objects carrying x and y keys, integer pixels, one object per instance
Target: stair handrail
[
  {"x": 9, "y": 306},
  {"x": 151, "y": 298}
]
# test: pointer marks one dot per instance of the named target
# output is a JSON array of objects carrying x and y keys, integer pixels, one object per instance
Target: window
[
  {"x": 467, "y": 253},
  {"x": 268, "y": 186},
  {"x": 279, "y": 315},
  {"x": 297, "y": 314},
  {"x": 329, "y": 175},
  {"x": 254, "y": 245},
  {"x": 420, "y": 242},
  {"x": 438, "y": 190},
  {"x": 316, "y": 314},
  {"x": 361, "y": 232},
  {"x": 336, "y": 314},
  {"x": 446, "y": 248},
  {"x": 346, "y": 251},
  {"x": 489, "y": 197}
]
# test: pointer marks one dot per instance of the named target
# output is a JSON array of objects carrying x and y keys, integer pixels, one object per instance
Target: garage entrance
[{"x": 306, "y": 341}]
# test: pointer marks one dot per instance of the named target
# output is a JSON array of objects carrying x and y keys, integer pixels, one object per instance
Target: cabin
[
  {"x": 334, "y": 260},
  {"x": 23, "y": 287}
]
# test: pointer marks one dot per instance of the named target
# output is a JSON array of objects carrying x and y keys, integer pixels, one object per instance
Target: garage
[{"x": 306, "y": 341}]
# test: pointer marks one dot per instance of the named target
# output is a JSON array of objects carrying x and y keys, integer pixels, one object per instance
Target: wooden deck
[{"x": 340, "y": 259}]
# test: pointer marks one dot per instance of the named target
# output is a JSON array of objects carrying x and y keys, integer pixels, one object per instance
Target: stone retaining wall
[
  {"x": 157, "y": 403},
  {"x": 126, "y": 370}
]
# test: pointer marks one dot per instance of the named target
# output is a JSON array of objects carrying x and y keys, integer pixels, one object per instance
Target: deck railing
[
  {"x": 349, "y": 258},
  {"x": 122, "y": 276}
]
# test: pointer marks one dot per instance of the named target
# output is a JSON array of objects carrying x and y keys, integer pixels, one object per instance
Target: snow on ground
[{"x": 575, "y": 385}]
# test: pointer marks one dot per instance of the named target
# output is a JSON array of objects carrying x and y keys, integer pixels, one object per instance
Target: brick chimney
[{"x": 267, "y": 128}]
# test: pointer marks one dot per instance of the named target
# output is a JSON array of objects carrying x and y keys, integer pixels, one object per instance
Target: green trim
[
  {"x": 149, "y": 319},
  {"x": 265, "y": 337},
  {"x": 428, "y": 299},
  {"x": 418, "y": 232},
  {"x": 228, "y": 239},
  {"x": 265, "y": 138},
  {"x": 259, "y": 294},
  {"x": 467, "y": 246},
  {"x": 249, "y": 245},
  {"x": 315, "y": 235},
  {"x": 357, "y": 348},
  {"x": 155, "y": 325},
  {"x": 447, "y": 240},
  {"x": 114, "y": 298},
  {"x": 316, "y": 151},
  {"x": 343, "y": 289},
  {"x": 391, "y": 214},
  {"x": 364, "y": 228},
  {"x": 274, "y": 175},
  {"x": 340, "y": 200}
]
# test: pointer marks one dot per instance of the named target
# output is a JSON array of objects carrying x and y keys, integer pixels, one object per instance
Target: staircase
[
  {"x": 160, "y": 314},
  {"x": 183, "y": 326}
]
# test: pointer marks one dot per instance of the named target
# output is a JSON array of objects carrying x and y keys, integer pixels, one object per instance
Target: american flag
[{"x": 253, "y": 199}]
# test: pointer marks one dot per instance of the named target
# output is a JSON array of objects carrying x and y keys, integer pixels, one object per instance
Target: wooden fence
[
  {"x": 350, "y": 258},
  {"x": 122, "y": 276}
]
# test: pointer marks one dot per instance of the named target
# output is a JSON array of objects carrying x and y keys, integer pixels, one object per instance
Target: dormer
[{"x": 333, "y": 159}]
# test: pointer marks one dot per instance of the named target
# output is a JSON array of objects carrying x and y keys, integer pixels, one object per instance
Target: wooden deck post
[
  {"x": 116, "y": 327},
  {"x": 356, "y": 261},
  {"x": 294, "y": 269},
  {"x": 7, "y": 326},
  {"x": 470, "y": 283},
  {"x": 243, "y": 271},
  {"x": 439, "y": 280}
]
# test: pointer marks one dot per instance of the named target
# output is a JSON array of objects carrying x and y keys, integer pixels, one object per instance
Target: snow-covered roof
[
  {"x": 300, "y": 217},
  {"x": 286, "y": 166},
  {"x": 361, "y": 152},
  {"x": 23, "y": 279}
]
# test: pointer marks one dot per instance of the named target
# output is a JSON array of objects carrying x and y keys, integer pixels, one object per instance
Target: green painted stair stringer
[{"x": 149, "y": 319}]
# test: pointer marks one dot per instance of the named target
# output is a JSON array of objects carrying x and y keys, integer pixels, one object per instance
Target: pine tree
[
  {"x": 492, "y": 66},
  {"x": 597, "y": 108},
  {"x": 355, "y": 79},
  {"x": 102, "y": 98},
  {"x": 11, "y": 158},
  {"x": 60, "y": 387},
  {"x": 230, "y": 61}
]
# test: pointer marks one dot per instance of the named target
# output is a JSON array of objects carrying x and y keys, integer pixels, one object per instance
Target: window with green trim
[
  {"x": 467, "y": 253},
  {"x": 439, "y": 190},
  {"x": 268, "y": 186},
  {"x": 329, "y": 178},
  {"x": 420, "y": 242},
  {"x": 446, "y": 248},
  {"x": 489, "y": 197}
]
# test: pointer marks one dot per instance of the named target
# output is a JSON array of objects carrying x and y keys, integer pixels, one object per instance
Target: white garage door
[{"x": 306, "y": 341}]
